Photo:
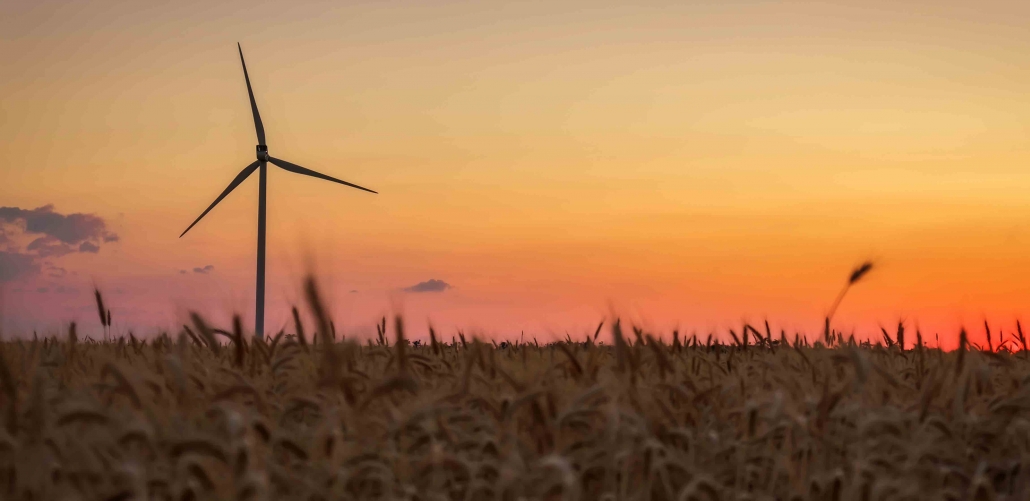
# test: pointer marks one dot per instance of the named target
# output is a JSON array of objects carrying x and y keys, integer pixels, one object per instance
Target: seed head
[{"x": 860, "y": 271}]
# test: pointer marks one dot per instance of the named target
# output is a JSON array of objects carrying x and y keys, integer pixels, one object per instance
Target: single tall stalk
[
  {"x": 855, "y": 276},
  {"x": 104, "y": 318}
]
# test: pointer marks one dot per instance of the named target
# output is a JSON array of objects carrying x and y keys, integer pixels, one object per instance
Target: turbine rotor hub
[{"x": 262, "y": 153}]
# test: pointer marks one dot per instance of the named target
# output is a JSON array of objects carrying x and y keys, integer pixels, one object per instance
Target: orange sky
[{"x": 688, "y": 164}]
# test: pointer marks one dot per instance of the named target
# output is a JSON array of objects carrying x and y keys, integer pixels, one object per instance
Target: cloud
[
  {"x": 14, "y": 265},
  {"x": 49, "y": 247},
  {"x": 431, "y": 285},
  {"x": 183, "y": 272},
  {"x": 205, "y": 270},
  {"x": 52, "y": 235},
  {"x": 71, "y": 229}
]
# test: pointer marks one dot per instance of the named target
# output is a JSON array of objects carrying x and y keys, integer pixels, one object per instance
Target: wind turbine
[{"x": 261, "y": 165}]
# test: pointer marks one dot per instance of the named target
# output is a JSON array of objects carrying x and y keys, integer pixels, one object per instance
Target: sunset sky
[{"x": 682, "y": 164}]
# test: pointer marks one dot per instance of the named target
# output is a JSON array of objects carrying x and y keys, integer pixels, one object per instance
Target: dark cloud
[
  {"x": 183, "y": 272},
  {"x": 14, "y": 265},
  {"x": 431, "y": 285},
  {"x": 205, "y": 270},
  {"x": 354, "y": 291},
  {"x": 49, "y": 247},
  {"x": 53, "y": 235},
  {"x": 71, "y": 229},
  {"x": 42, "y": 290}
]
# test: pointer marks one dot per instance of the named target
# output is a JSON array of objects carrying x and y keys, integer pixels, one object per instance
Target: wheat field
[{"x": 619, "y": 414}]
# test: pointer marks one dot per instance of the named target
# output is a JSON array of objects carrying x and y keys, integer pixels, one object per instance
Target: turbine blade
[
  {"x": 253, "y": 104},
  {"x": 242, "y": 176},
  {"x": 308, "y": 172}
]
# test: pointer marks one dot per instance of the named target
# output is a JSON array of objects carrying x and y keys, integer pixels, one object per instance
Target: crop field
[{"x": 618, "y": 414}]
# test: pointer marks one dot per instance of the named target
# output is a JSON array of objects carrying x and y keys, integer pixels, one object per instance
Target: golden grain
[{"x": 762, "y": 420}]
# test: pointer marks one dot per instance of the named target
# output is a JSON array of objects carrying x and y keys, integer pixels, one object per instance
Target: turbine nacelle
[{"x": 262, "y": 153}]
